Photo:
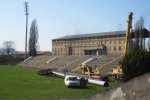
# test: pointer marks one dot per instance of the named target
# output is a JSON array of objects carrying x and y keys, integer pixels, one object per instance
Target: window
[
  {"x": 114, "y": 48},
  {"x": 72, "y": 78},
  {"x": 120, "y": 48}
]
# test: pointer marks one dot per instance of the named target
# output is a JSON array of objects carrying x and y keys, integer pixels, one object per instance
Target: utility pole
[{"x": 26, "y": 13}]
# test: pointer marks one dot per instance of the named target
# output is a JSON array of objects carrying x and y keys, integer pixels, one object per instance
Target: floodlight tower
[{"x": 26, "y": 13}]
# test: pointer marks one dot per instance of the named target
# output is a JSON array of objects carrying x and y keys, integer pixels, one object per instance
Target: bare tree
[
  {"x": 9, "y": 47},
  {"x": 139, "y": 35},
  {"x": 33, "y": 40}
]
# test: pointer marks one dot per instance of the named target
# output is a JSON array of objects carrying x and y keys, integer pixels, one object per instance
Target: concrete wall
[{"x": 135, "y": 89}]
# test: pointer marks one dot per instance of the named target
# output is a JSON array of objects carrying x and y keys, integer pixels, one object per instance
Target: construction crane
[
  {"x": 117, "y": 69},
  {"x": 128, "y": 32}
]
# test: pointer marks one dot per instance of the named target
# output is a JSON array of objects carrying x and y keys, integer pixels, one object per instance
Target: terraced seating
[
  {"x": 105, "y": 63},
  {"x": 50, "y": 60},
  {"x": 77, "y": 62},
  {"x": 72, "y": 63},
  {"x": 107, "y": 68},
  {"x": 64, "y": 62},
  {"x": 36, "y": 62}
]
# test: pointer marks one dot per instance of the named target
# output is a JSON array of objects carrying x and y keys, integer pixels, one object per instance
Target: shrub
[
  {"x": 9, "y": 59},
  {"x": 136, "y": 63}
]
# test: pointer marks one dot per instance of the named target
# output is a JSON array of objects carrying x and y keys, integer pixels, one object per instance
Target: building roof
[{"x": 92, "y": 35}]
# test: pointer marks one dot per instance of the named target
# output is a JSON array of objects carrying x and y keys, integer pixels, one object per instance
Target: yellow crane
[
  {"x": 117, "y": 69},
  {"x": 128, "y": 32}
]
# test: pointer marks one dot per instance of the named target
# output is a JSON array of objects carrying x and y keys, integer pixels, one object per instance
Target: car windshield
[{"x": 73, "y": 78}]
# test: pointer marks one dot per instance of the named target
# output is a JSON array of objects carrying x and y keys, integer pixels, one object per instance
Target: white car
[{"x": 72, "y": 81}]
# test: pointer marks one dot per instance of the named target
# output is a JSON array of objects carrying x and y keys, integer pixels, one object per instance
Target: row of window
[
  {"x": 109, "y": 53},
  {"x": 115, "y": 48},
  {"x": 77, "y": 49},
  {"x": 91, "y": 43}
]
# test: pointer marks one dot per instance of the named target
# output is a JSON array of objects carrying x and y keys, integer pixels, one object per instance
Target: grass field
[{"x": 19, "y": 83}]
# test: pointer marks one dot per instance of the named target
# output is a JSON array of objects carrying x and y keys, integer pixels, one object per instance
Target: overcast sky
[{"x": 58, "y": 18}]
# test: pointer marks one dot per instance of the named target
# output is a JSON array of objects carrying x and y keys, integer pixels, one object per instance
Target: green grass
[{"x": 19, "y": 83}]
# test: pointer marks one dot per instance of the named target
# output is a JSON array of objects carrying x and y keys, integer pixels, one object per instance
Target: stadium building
[{"x": 110, "y": 43}]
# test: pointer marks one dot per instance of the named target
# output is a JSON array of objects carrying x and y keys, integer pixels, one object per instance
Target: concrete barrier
[{"x": 135, "y": 89}]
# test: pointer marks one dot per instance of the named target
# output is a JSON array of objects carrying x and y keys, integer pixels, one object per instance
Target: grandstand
[{"x": 71, "y": 63}]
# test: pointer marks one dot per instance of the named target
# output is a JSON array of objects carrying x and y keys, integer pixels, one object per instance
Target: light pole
[{"x": 26, "y": 13}]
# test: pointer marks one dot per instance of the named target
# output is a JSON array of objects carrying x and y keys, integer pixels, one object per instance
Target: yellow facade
[{"x": 111, "y": 43}]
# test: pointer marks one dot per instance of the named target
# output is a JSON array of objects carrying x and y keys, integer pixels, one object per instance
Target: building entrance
[
  {"x": 95, "y": 52},
  {"x": 90, "y": 52}
]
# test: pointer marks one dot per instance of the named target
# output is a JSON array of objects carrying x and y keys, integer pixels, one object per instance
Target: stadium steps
[
  {"x": 36, "y": 62},
  {"x": 106, "y": 68},
  {"x": 76, "y": 65},
  {"x": 63, "y": 61},
  {"x": 104, "y": 62}
]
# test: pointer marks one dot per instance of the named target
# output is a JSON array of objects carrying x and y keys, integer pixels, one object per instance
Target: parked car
[
  {"x": 71, "y": 81},
  {"x": 75, "y": 81}
]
